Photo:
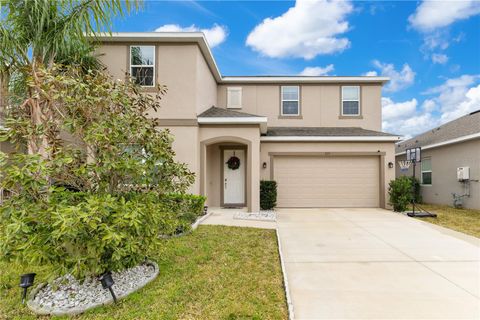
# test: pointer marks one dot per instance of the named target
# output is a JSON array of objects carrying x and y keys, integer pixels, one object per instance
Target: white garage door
[{"x": 346, "y": 181}]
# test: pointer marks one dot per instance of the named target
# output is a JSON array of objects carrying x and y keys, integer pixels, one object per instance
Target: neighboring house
[
  {"x": 318, "y": 137},
  {"x": 445, "y": 149}
]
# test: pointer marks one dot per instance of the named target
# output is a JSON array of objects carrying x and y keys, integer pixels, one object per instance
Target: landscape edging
[{"x": 37, "y": 309}]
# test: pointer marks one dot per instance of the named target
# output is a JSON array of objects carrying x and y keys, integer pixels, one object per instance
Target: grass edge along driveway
[
  {"x": 216, "y": 272},
  {"x": 462, "y": 220}
]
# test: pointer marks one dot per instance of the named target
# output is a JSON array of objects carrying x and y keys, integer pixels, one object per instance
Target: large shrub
[
  {"x": 99, "y": 132},
  {"x": 102, "y": 143},
  {"x": 400, "y": 192},
  {"x": 83, "y": 233},
  {"x": 268, "y": 194}
]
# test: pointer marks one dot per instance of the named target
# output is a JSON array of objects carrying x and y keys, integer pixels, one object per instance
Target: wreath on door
[{"x": 233, "y": 163}]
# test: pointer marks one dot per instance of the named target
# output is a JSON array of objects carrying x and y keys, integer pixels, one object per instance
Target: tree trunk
[
  {"x": 4, "y": 80},
  {"x": 38, "y": 143}
]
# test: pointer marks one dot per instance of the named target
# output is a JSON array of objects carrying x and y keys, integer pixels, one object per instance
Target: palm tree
[{"x": 35, "y": 34}]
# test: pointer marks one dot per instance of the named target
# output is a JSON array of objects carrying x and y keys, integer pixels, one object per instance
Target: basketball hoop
[{"x": 404, "y": 164}]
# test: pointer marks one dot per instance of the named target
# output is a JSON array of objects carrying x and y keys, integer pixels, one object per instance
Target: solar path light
[
  {"x": 26, "y": 281},
  {"x": 107, "y": 283}
]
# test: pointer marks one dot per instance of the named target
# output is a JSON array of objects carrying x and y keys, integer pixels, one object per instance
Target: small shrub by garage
[
  {"x": 400, "y": 191},
  {"x": 268, "y": 194}
]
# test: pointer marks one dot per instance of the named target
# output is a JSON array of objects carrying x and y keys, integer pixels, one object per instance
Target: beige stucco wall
[
  {"x": 319, "y": 105},
  {"x": 445, "y": 161},
  {"x": 225, "y": 135},
  {"x": 206, "y": 85},
  {"x": 349, "y": 147},
  {"x": 186, "y": 149},
  {"x": 180, "y": 67}
]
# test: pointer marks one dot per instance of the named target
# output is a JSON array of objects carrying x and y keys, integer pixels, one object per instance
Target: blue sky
[{"x": 431, "y": 50}]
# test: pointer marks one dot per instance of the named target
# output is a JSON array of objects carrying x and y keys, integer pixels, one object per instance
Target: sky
[{"x": 429, "y": 49}]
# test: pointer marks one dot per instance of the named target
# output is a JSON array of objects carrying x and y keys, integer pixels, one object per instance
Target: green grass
[
  {"x": 213, "y": 273},
  {"x": 463, "y": 220}
]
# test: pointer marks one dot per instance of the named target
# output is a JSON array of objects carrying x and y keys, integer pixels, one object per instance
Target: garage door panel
[{"x": 327, "y": 181}]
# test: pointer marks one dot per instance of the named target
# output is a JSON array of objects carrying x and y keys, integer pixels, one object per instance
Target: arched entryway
[{"x": 230, "y": 172}]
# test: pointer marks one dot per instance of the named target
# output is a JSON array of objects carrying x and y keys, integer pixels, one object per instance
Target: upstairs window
[
  {"x": 234, "y": 97},
  {"x": 142, "y": 65},
  {"x": 290, "y": 100},
  {"x": 350, "y": 101},
  {"x": 427, "y": 171}
]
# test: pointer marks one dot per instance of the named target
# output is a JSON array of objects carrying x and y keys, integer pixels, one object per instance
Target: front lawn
[
  {"x": 214, "y": 273},
  {"x": 463, "y": 220}
]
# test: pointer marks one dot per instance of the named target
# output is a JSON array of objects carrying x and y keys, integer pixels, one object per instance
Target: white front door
[{"x": 234, "y": 178}]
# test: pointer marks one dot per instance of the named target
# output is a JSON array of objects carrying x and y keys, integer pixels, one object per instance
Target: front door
[{"x": 234, "y": 165}]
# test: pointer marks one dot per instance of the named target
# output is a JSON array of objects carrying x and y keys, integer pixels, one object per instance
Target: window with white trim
[
  {"x": 427, "y": 171},
  {"x": 142, "y": 65},
  {"x": 234, "y": 97},
  {"x": 290, "y": 100},
  {"x": 350, "y": 101}
]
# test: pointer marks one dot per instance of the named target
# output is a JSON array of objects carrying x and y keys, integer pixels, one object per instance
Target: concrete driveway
[{"x": 375, "y": 264}]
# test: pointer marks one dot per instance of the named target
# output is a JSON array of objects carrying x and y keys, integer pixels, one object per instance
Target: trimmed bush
[
  {"x": 186, "y": 208},
  {"x": 82, "y": 233},
  {"x": 268, "y": 194},
  {"x": 400, "y": 191}
]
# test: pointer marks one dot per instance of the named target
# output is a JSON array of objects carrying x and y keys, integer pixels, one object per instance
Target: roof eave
[
  {"x": 262, "y": 121},
  {"x": 199, "y": 38},
  {"x": 330, "y": 138},
  {"x": 446, "y": 143},
  {"x": 304, "y": 79}
]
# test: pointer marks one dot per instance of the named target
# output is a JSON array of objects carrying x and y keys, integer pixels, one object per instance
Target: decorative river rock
[{"x": 67, "y": 296}]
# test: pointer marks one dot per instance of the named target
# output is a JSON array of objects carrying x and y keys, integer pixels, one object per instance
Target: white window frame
[
  {"x": 358, "y": 100},
  {"x": 144, "y": 65},
  {"x": 282, "y": 100},
  {"x": 234, "y": 89},
  {"x": 427, "y": 171}
]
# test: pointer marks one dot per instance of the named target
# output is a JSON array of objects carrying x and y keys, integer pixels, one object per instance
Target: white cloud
[
  {"x": 398, "y": 79},
  {"x": 429, "y": 105},
  {"x": 308, "y": 29},
  {"x": 448, "y": 101},
  {"x": 394, "y": 111},
  {"x": 215, "y": 35},
  {"x": 402, "y": 118},
  {"x": 439, "y": 58},
  {"x": 456, "y": 97},
  {"x": 370, "y": 74},
  {"x": 431, "y": 15},
  {"x": 317, "y": 71}
]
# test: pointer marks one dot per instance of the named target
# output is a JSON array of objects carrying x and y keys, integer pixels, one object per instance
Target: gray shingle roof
[
  {"x": 215, "y": 112},
  {"x": 323, "y": 131},
  {"x": 463, "y": 126}
]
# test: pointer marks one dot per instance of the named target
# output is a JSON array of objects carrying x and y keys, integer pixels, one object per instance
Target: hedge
[
  {"x": 268, "y": 194},
  {"x": 86, "y": 234}
]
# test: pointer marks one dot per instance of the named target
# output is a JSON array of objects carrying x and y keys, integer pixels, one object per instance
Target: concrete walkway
[{"x": 376, "y": 264}]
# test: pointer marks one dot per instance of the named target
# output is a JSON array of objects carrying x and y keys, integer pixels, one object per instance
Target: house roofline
[
  {"x": 199, "y": 38},
  {"x": 329, "y": 138},
  {"x": 446, "y": 142},
  {"x": 262, "y": 121},
  {"x": 181, "y": 37},
  {"x": 303, "y": 79}
]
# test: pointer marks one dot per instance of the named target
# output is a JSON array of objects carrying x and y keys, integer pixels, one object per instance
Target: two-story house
[{"x": 319, "y": 137}]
